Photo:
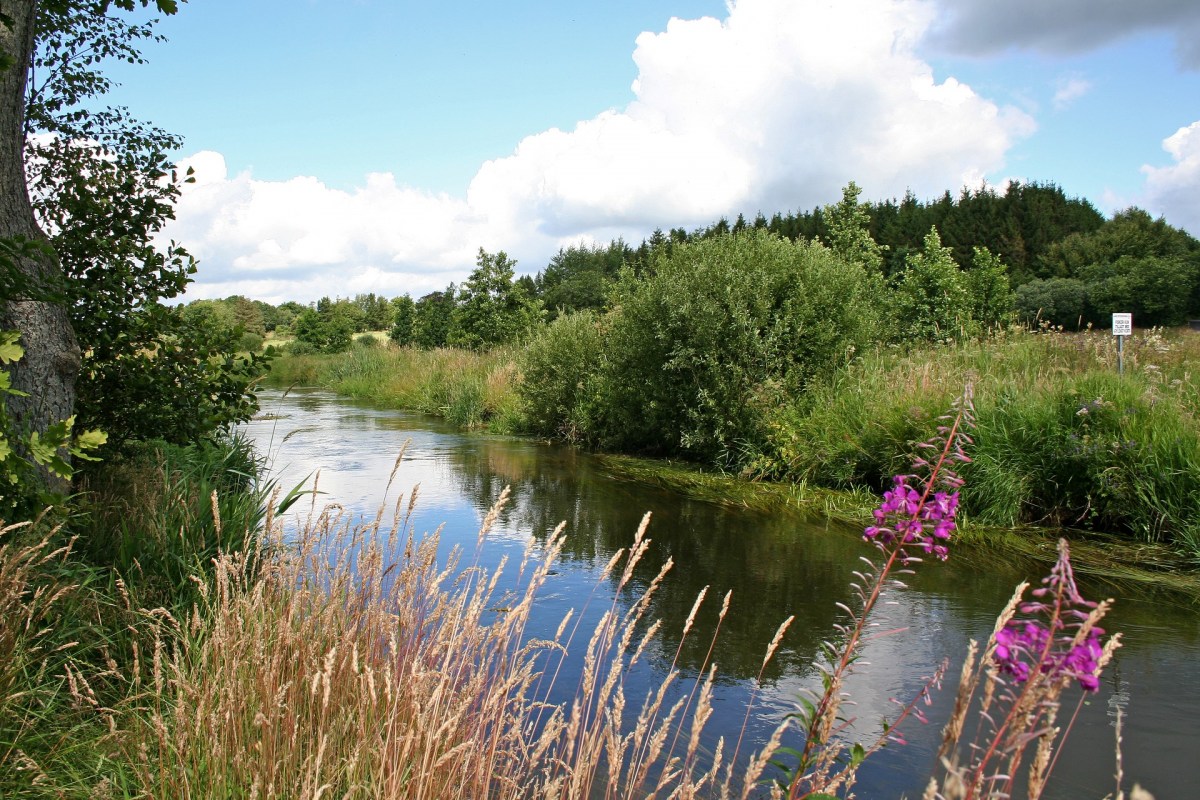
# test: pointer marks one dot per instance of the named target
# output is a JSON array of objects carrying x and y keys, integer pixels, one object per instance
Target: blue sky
[{"x": 375, "y": 145}]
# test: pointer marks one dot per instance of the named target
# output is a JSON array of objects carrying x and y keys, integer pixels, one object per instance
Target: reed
[{"x": 467, "y": 388}]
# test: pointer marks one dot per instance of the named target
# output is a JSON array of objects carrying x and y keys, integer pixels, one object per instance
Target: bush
[
  {"x": 562, "y": 374},
  {"x": 249, "y": 343},
  {"x": 1158, "y": 291},
  {"x": 1057, "y": 301},
  {"x": 720, "y": 330}
]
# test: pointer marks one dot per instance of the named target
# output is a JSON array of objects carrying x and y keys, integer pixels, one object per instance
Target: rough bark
[{"x": 48, "y": 371}]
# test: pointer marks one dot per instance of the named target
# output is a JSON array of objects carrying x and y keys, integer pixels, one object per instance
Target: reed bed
[{"x": 467, "y": 388}]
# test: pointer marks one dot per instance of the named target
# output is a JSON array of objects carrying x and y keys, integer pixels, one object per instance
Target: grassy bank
[
  {"x": 1062, "y": 440},
  {"x": 469, "y": 389}
]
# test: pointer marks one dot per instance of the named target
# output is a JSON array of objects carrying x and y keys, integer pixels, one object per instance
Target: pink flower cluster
[
  {"x": 909, "y": 517},
  {"x": 1021, "y": 643},
  {"x": 1055, "y": 636}
]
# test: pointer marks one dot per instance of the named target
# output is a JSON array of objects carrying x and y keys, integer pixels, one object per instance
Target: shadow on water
[{"x": 775, "y": 565}]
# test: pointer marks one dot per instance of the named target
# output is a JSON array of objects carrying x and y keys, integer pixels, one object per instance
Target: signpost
[{"x": 1122, "y": 327}]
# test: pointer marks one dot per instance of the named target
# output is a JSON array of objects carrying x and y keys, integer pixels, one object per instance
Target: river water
[{"x": 775, "y": 566}]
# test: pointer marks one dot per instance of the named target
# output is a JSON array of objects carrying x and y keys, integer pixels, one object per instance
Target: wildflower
[
  {"x": 909, "y": 517},
  {"x": 1057, "y": 637}
]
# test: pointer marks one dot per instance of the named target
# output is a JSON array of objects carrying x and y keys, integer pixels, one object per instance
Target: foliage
[
  {"x": 721, "y": 329},
  {"x": 403, "y": 319},
  {"x": 931, "y": 301},
  {"x": 23, "y": 454},
  {"x": 988, "y": 289},
  {"x": 562, "y": 374},
  {"x": 1132, "y": 263},
  {"x": 1056, "y": 301},
  {"x": 580, "y": 277},
  {"x": 189, "y": 382},
  {"x": 375, "y": 310},
  {"x": 433, "y": 318},
  {"x": 324, "y": 332},
  {"x": 103, "y": 187},
  {"x": 138, "y": 506},
  {"x": 1156, "y": 289},
  {"x": 491, "y": 308},
  {"x": 848, "y": 224}
]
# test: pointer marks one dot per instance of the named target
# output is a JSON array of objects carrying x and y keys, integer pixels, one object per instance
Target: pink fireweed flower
[
  {"x": 919, "y": 510},
  {"x": 1053, "y": 636},
  {"x": 906, "y": 517}
]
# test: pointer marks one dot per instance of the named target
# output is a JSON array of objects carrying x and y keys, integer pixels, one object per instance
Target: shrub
[
  {"x": 249, "y": 343},
  {"x": 931, "y": 301},
  {"x": 1158, "y": 291},
  {"x": 1058, "y": 301},
  {"x": 562, "y": 374},
  {"x": 718, "y": 331}
]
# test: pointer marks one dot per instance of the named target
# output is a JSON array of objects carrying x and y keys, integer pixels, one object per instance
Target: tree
[
  {"x": 403, "y": 318},
  {"x": 579, "y": 277},
  {"x": 931, "y": 298},
  {"x": 491, "y": 309},
  {"x": 103, "y": 186},
  {"x": 45, "y": 377},
  {"x": 326, "y": 330},
  {"x": 432, "y": 318},
  {"x": 376, "y": 311},
  {"x": 850, "y": 231},
  {"x": 986, "y": 282}
]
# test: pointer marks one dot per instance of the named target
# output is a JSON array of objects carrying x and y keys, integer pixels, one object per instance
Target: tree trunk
[{"x": 48, "y": 371}]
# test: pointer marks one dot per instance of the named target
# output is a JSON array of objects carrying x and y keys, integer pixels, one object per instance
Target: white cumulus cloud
[
  {"x": 774, "y": 107},
  {"x": 1174, "y": 191}
]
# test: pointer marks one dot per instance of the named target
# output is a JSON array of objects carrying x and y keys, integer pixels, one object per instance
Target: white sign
[{"x": 1122, "y": 324}]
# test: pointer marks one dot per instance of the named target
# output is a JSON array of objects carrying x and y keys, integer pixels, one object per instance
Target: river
[{"x": 775, "y": 565}]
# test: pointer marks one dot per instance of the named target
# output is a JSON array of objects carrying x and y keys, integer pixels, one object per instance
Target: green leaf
[
  {"x": 90, "y": 440},
  {"x": 10, "y": 351}
]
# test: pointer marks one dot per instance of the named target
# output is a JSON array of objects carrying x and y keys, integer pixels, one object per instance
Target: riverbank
[{"x": 1062, "y": 442}]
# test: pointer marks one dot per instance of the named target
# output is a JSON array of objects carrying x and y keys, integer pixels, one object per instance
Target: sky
[{"x": 351, "y": 146}]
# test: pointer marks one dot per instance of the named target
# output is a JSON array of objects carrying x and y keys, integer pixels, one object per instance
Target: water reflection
[{"x": 774, "y": 565}]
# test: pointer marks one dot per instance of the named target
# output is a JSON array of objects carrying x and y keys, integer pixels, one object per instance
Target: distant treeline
[{"x": 1062, "y": 261}]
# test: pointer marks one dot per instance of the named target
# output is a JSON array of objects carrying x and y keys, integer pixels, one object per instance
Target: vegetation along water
[{"x": 199, "y": 600}]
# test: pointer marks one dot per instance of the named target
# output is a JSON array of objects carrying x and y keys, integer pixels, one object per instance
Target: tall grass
[
  {"x": 158, "y": 517},
  {"x": 1062, "y": 439},
  {"x": 467, "y": 388},
  {"x": 360, "y": 666}
]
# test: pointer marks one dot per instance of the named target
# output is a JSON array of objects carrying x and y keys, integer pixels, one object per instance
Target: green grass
[
  {"x": 1061, "y": 440},
  {"x": 90, "y": 607},
  {"x": 469, "y": 389}
]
